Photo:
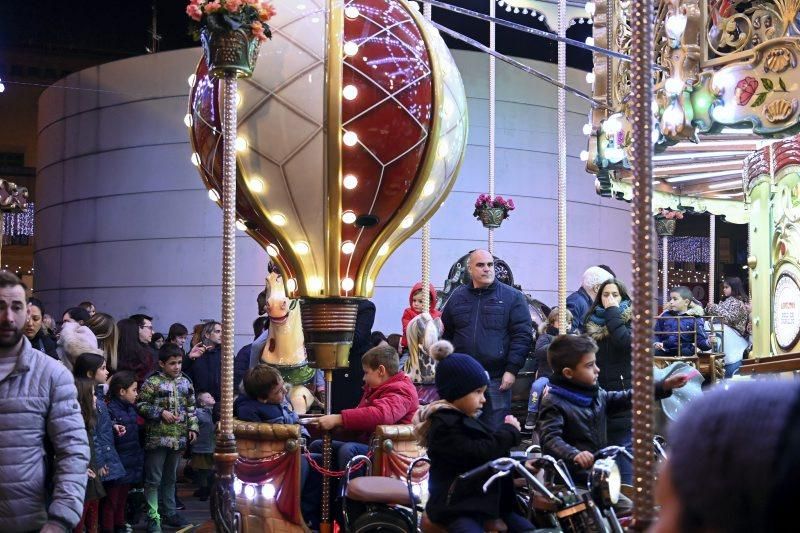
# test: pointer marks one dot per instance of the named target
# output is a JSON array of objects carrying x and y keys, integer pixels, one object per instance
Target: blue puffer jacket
[
  {"x": 129, "y": 447},
  {"x": 205, "y": 437},
  {"x": 692, "y": 325},
  {"x": 578, "y": 303},
  {"x": 493, "y": 325},
  {"x": 104, "y": 441}
]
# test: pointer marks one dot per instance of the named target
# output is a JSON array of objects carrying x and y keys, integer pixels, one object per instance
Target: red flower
[{"x": 745, "y": 90}]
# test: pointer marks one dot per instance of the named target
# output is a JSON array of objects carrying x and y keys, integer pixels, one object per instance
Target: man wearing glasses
[
  {"x": 491, "y": 322},
  {"x": 145, "y": 324}
]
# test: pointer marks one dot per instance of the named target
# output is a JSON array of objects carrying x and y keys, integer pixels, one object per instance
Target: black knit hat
[
  {"x": 457, "y": 374},
  {"x": 728, "y": 459}
]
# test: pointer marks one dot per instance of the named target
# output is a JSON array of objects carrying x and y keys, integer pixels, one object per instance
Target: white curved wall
[{"x": 123, "y": 218}]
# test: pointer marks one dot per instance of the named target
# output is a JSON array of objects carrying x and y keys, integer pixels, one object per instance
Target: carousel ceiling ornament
[
  {"x": 351, "y": 134},
  {"x": 547, "y": 10}
]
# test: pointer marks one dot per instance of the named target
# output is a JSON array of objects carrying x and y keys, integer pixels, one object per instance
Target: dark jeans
[
  {"x": 112, "y": 507},
  {"x": 498, "y": 404},
  {"x": 623, "y": 437},
  {"x": 465, "y": 524},
  {"x": 160, "y": 470},
  {"x": 342, "y": 453}
]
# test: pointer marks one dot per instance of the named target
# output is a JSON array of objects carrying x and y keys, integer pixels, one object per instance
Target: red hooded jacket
[
  {"x": 409, "y": 313},
  {"x": 393, "y": 402}
]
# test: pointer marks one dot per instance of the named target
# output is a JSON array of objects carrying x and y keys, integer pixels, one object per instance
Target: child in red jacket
[
  {"x": 415, "y": 308},
  {"x": 389, "y": 398}
]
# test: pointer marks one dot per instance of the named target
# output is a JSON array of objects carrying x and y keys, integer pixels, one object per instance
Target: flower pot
[
  {"x": 491, "y": 217},
  {"x": 665, "y": 227},
  {"x": 230, "y": 52}
]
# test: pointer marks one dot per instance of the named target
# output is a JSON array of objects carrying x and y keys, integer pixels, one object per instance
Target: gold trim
[
  {"x": 333, "y": 129},
  {"x": 373, "y": 262}
]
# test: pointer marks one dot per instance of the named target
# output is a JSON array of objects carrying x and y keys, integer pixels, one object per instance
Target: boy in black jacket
[
  {"x": 574, "y": 411},
  {"x": 458, "y": 441}
]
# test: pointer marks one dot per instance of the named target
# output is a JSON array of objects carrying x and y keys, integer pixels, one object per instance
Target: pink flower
[
  {"x": 267, "y": 10},
  {"x": 233, "y": 5},
  {"x": 213, "y": 7},
  {"x": 193, "y": 10},
  {"x": 511, "y": 205},
  {"x": 258, "y": 31}
]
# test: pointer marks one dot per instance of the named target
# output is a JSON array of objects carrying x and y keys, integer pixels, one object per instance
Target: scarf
[
  {"x": 581, "y": 395},
  {"x": 598, "y": 316}
]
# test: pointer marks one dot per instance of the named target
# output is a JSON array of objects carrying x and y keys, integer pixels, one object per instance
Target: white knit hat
[{"x": 74, "y": 340}]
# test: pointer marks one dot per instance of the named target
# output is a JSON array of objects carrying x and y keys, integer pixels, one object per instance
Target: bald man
[{"x": 491, "y": 322}]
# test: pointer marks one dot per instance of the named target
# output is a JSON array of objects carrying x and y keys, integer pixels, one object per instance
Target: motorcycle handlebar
[{"x": 502, "y": 467}]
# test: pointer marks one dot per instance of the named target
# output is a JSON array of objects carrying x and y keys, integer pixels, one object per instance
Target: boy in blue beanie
[{"x": 457, "y": 442}]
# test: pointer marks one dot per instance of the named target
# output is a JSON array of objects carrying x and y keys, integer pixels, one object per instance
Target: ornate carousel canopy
[{"x": 726, "y": 81}]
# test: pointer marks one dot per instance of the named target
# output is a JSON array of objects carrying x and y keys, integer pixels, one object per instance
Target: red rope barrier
[{"x": 333, "y": 473}]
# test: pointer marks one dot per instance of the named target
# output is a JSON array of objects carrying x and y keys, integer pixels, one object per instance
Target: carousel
[{"x": 339, "y": 138}]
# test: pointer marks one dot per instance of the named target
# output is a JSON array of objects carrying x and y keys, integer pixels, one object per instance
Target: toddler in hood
[{"x": 73, "y": 341}]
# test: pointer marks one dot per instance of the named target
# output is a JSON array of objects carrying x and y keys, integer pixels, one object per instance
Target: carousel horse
[
  {"x": 421, "y": 333},
  {"x": 285, "y": 349}
]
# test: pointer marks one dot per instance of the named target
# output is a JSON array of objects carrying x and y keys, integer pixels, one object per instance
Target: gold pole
[
  {"x": 492, "y": 101},
  {"x": 644, "y": 278},
  {"x": 562, "y": 170},
  {"x": 223, "y": 505}
]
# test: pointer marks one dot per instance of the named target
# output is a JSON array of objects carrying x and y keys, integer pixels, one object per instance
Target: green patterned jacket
[{"x": 161, "y": 393}]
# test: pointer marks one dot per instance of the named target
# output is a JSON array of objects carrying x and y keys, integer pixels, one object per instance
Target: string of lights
[
  {"x": 17, "y": 225},
  {"x": 686, "y": 250}
]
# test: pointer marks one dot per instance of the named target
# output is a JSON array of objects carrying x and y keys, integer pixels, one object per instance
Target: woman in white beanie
[{"x": 74, "y": 340}]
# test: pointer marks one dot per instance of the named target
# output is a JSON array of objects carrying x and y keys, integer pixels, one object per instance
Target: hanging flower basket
[
  {"x": 492, "y": 211},
  {"x": 666, "y": 220},
  {"x": 230, "y": 32}
]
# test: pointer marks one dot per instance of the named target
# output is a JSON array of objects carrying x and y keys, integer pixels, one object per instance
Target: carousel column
[
  {"x": 664, "y": 269},
  {"x": 712, "y": 256},
  {"x": 427, "y": 12},
  {"x": 492, "y": 101},
  {"x": 643, "y": 261},
  {"x": 562, "y": 169}
]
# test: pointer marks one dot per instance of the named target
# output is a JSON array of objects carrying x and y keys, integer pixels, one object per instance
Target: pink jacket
[{"x": 394, "y": 402}]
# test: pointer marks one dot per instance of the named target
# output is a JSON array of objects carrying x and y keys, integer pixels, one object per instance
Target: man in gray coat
[{"x": 44, "y": 448}]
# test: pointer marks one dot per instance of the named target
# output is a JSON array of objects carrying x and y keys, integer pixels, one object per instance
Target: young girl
[
  {"x": 92, "y": 367},
  {"x": 94, "y": 487},
  {"x": 122, "y": 392},
  {"x": 457, "y": 442}
]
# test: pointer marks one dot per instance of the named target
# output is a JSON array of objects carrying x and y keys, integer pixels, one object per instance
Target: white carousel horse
[{"x": 422, "y": 332}]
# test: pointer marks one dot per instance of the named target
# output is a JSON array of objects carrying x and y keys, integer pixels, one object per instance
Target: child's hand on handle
[
  {"x": 584, "y": 459},
  {"x": 168, "y": 417},
  {"x": 511, "y": 421},
  {"x": 676, "y": 382}
]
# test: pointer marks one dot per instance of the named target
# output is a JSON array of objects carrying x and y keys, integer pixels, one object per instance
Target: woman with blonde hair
[{"x": 105, "y": 329}]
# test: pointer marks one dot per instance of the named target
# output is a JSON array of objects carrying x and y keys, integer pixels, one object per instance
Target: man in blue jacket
[{"x": 491, "y": 322}]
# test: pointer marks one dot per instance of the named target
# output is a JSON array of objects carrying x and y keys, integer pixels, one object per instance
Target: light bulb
[
  {"x": 291, "y": 284},
  {"x": 584, "y": 155},
  {"x": 301, "y": 247},
  {"x": 590, "y": 77},
  {"x": 256, "y": 185},
  {"x": 348, "y": 217},
  {"x": 590, "y": 8},
  {"x": 406, "y": 223},
  {"x": 350, "y": 92},
  {"x": 188, "y": 120},
  {"x": 587, "y": 129},
  {"x": 675, "y": 25},
  {"x": 350, "y": 48},
  {"x": 590, "y": 41},
  {"x": 213, "y": 195},
  {"x": 674, "y": 86},
  {"x": 612, "y": 125},
  {"x": 348, "y": 247},
  {"x": 267, "y": 489},
  {"x": 272, "y": 250},
  {"x": 240, "y": 226},
  {"x": 241, "y": 144},
  {"x": 348, "y": 284},
  {"x": 279, "y": 219},
  {"x": 249, "y": 491},
  {"x": 427, "y": 190},
  {"x": 196, "y": 159},
  {"x": 237, "y": 486},
  {"x": 350, "y": 181},
  {"x": 383, "y": 250},
  {"x": 191, "y": 79},
  {"x": 351, "y": 12},
  {"x": 350, "y": 138}
]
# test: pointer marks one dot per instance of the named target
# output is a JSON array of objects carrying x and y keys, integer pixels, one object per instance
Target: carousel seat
[
  {"x": 379, "y": 489},
  {"x": 394, "y": 447}
]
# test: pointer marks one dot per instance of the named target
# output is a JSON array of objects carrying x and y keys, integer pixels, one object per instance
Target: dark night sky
[{"x": 119, "y": 29}]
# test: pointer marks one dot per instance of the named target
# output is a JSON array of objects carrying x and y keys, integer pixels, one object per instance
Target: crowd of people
[{"x": 113, "y": 406}]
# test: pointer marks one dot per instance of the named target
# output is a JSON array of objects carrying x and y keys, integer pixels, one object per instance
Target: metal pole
[
  {"x": 665, "y": 269},
  {"x": 427, "y": 11},
  {"x": 712, "y": 257},
  {"x": 643, "y": 260},
  {"x": 562, "y": 170},
  {"x": 492, "y": 97}
]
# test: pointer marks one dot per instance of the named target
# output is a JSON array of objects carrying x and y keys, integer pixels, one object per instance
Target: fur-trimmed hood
[
  {"x": 599, "y": 332},
  {"x": 422, "y": 418},
  {"x": 74, "y": 340}
]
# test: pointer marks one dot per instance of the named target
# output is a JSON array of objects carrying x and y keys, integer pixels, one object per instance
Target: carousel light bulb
[
  {"x": 674, "y": 86},
  {"x": 590, "y": 77},
  {"x": 383, "y": 250},
  {"x": 192, "y": 78},
  {"x": 351, "y": 12},
  {"x": 350, "y": 92},
  {"x": 249, "y": 491},
  {"x": 350, "y": 138},
  {"x": 584, "y": 155},
  {"x": 675, "y": 25},
  {"x": 256, "y": 185},
  {"x": 291, "y": 284},
  {"x": 188, "y": 120},
  {"x": 213, "y": 195},
  {"x": 673, "y": 116},
  {"x": 267, "y": 489},
  {"x": 612, "y": 125},
  {"x": 240, "y": 225},
  {"x": 272, "y": 250},
  {"x": 301, "y": 247},
  {"x": 407, "y": 222},
  {"x": 348, "y": 284},
  {"x": 196, "y": 159},
  {"x": 348, "y": 247},
  {"x": 590, "y": 8},
  {"x": 590, "y": 41},
  {"x": 240, "y": 144},
  {"x": 348, "y": 217},
  {"x": 427, "y": 190},
  {"x": 350, "y": 182},
  {"x": 237, "y": 486},
  {"x": 587, "y": 129},
  {"x": 279, "y": 219},
  {"x": 350, "y": 48}
]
